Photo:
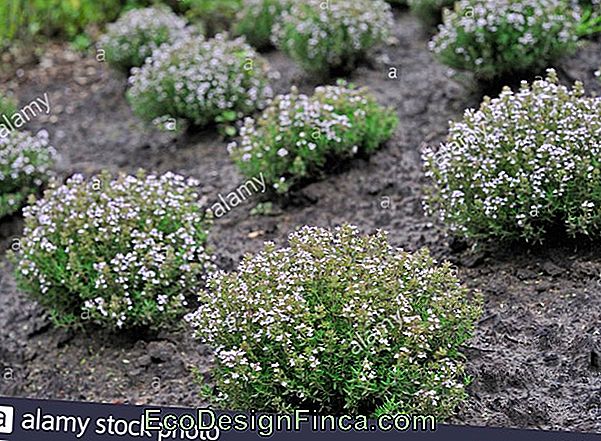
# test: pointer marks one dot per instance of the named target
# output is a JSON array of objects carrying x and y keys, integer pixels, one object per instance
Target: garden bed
[{"x": 536, "y": 356}]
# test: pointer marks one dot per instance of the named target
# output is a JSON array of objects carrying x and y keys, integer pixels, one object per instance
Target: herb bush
[
  {"x": 138, "y": 33},
  {"x": 429, "y": 11},
  {"x": 25, "y": 165},
  {"x": 333, "y": 38},
  {"x": 122, "y": 253},
  {"x": 521, "y": 164},
  {"x": 495, "y": 39},
  {"x": 256, "y": 20},
  {"x": 339, "y": 323},
  {"x": 297, "y": 135},
  {"x": 200, "y": 81}
]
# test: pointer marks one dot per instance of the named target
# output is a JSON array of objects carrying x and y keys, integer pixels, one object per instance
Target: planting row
[
  {"x": 492, "y": 40},
  {"x": 336, "y": 321},
  {"x": 519, "y": 165}
]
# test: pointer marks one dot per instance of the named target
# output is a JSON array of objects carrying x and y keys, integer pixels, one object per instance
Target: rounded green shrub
[
  {"x": 505, "y": 37},
  {"x": 200, "y": 81},
  {"x": 138, "y": 33},
  {"x": 297, "y": 135},
  {"x": 122, "y": 253},
  {"x": 338, "y": 323},
  {"x": 256, "y": 20},
  {"x": 332, "y": 35},
  {"x": 25, "y": 165},
  {"x": 521, "y": 164},
  {"x": 429, "y": 11}
]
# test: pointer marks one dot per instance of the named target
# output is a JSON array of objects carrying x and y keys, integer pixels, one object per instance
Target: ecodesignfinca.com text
[{"x": 208, "y": 424}]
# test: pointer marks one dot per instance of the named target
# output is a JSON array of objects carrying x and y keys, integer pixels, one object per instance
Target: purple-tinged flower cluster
[
  {"x": 493, "y": 39},
  {"x": 25, "y": 165},
  {"x": 138, "y": 33},
  {"x": 322, "y": 36},
  {"x": 297, "y": 134},
  {"x": 521, "y": 164},
  {"x": 337, "y": 322},
  {"x": 123, "y": 253},
  {"x": 201, "y": 81}
]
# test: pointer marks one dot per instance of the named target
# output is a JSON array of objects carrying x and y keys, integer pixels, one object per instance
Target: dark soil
[{"x": 536, "y": 357}]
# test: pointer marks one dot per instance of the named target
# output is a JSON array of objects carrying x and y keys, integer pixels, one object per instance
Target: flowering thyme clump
[
  {"x": 202, "y": 81},
  {"x": 25, "y": 163},
  {"x": 522, "y": 163},
  {"x": 333, "y": 37},
  {"x": 296, "y": 135},
  {"x": 123, "y": 252},
  {"x": 339, "y": 323},
  {"x": 429, "y": 11},
  {"x": 503, "y": 37},
  {"x": 256, "y": 19},
  {"x": 139, "y": 32}
]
